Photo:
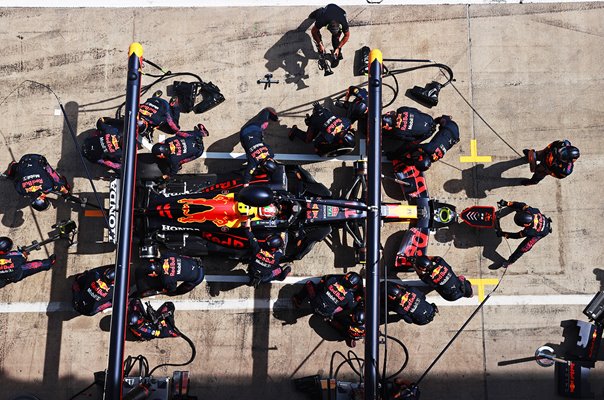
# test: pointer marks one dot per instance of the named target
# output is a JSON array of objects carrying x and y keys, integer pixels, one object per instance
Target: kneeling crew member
[
  {"x": 436, "y": 273},
  {"x": 265, "y": 263},
  {"x": 327, "y": 132},
  {"x": 148, "y": 323},
  {"x": 535, "y": 226},
  {"x": 170, "y": 269},
  {"x": 179, "y": 149},
  {"x": 332, "y": 295},
  {"x": 408, "y": 124},
  {"x": 260, "y": 157},
  {"x": 104, "y": 146},
  {"x": 157, "y": 113},
  {"x": 35, "y": 178},
  {"x": 446, "y": 137},
  {"x": 351, "y": 324},
  {"x": 14, "y": 265},
  {"x": 409, "y": 304},
  {"x": 92, "y": 290}
]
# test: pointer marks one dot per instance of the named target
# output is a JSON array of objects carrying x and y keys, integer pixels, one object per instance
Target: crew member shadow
[
  {"x": 476, "y": 181},
  {"x": 465, "y": 237},
  {"x": 599, "y": 273},
  {"x": 284, "y": 311},
  {"x": 291, "y": 53}
]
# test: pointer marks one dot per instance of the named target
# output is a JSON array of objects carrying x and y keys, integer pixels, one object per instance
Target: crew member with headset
[
  {"x": 260, "y": 157},
  {"x": 14, "y": 266},
  {"x": 35, "y": 178},
  {"x": 535, "y": 226}
]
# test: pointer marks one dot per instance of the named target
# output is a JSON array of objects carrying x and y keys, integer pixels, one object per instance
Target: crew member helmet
[
  {"x": 273, "y": 242},
  {"x": 352, "y": 280},
  {"x": 569, "y": 153},
  {"x": 523, "y": 218},
  {"x": 387, "y": 121},
  {"x": 110, "y": 273},
  {"x": 359, "y": 316},
  {"x": 466, "y": 287},
  {"x": 6, "y": 244},
  {"x": 40, "y": 203},
  {"x": 422, "y": 263},
  {"x": 153, "y": 269},
  {"x": 423, "y": 164},
  {"x": 160, "y": 150},
  {"x": 135, "y": 318},
  {"x": 394, "y": 292},
  {"x": 269, "y": 165}
]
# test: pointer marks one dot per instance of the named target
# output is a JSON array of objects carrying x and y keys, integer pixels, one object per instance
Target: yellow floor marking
[
  {"x": 474, "y": 157},
  {"x": 481, "y": 283}
]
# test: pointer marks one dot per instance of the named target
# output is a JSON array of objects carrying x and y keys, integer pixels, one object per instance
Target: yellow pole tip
[
  {"x": 136, "y": 48},
  {"x": 375, "y": 54}
]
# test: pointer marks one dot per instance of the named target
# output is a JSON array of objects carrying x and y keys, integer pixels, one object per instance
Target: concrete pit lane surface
[{"x": 532, "y": 71}]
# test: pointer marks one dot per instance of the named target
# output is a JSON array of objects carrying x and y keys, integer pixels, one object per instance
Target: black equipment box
[
  {"x": 595, "y": 309},
  {"x": 572, "y": 381}
]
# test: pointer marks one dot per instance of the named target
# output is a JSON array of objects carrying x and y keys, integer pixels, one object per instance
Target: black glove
[
  {"x": 52, "y": 258},
  {"x": 502, "y": 203}
]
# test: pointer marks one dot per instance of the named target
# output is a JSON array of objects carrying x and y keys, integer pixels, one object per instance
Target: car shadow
[{"x": 291, "y": 53}]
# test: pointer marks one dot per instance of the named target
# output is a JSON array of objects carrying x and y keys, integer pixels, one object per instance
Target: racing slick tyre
[
  {"x": 337, "y": 152},
  {"x": 147, "y": 168}
]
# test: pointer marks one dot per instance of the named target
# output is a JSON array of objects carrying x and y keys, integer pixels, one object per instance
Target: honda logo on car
[{"x": 114, "y": 199}]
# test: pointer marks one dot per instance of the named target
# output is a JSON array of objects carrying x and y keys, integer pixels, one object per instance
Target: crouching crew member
[
  {"x": 350, "y": 324},
  {"x": 409, "y": 304},
  {"x": 179, "y": 149},
  {"x": 147, "y": 324},
  {"x": 535, "y": 226},
  {"x": 331, "y": 135},
  {"x": 92, "y": 290},
  {"x": 260, "y": 157},
  {"x": 104, "y": 146},
  {"x": 35, "y": 178},
  {"x": 265, "y": 263},
  {"x": 157, "y": 113},
  {"x": 14, "y": 266},
  {"x": 170, "y": 269},
  {"x": 436, "y": 273},
  {"x": 408, "y": 125},
  {"x": 332, "y": 295}
]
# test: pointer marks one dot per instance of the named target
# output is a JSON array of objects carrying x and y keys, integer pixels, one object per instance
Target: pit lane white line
[
  {"x": 265, "y": 304},
  {"x": 245, "y": 3},
  {"x": 213, "y": 155}
]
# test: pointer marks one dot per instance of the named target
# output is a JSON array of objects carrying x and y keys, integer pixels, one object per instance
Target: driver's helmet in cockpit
[{"x": 267, "y": 212}]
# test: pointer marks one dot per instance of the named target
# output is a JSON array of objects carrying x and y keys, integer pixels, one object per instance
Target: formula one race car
[{"x": 197, "y": 215}]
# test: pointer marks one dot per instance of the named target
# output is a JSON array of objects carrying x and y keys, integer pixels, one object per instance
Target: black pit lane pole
[
  {"x": 374, "y": 174},
  {"x": 113, "y": 382}
]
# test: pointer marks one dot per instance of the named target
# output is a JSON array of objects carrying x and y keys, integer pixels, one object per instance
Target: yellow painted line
[
  {"x": 93, "y": 213},
  {"x": 481, "y": 283},
  {"x": 474, "y": 157}
]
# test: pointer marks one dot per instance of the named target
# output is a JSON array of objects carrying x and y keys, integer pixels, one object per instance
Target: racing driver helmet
[{"x": 268, "y": 212}]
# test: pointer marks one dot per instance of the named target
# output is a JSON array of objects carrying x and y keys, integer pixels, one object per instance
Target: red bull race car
[{"x": 205, "y": 214}]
